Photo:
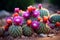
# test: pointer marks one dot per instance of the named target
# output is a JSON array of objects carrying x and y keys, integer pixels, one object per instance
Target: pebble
[
  {"x": 51, "y": 35},
  {"x": 43, "y": 35}
]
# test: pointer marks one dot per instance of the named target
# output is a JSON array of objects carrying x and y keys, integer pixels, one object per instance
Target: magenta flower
[
  {"x": 18, "y": 20},
  {"x": 35, "y": 25},
  {"x": 26, "y": 15},
  {"x": 36, "y": 13},
  {"x": 40, "y": 6},
  {"x": 16, "y": 10}
]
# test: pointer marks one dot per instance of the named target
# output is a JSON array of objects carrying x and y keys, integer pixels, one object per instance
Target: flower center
[{"x": 34, "y": 24}]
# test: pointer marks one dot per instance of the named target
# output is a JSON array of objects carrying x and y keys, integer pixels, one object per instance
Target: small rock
[
  {"x": 4, "y": 14},
  {"x": 1, "y": 38},
  {"x": 8, "y": 38},
  {"x": 22, "y": 36},
  {"x": 3, "y": 21},
  {"x": 26, "y": 37},
  {"x": 6, "y": 34},
  {"x": 51, "y": 35},
  {"x": 43, "y": 35},
  {"x": 35, "y": 35}
]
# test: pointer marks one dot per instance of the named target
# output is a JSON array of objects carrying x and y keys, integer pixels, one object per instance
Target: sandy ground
[{"x": 37, "y": 38}]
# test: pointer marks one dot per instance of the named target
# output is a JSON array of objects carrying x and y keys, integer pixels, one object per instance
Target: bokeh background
[{"x": 9, "y": 5}]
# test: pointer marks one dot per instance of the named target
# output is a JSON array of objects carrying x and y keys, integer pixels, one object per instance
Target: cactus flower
[
  {"x": 9, "y": 20},
  {"x": 26, "y": 15},
  {"x": 16, "y": 10},
  {"x": 30, "y": 8},
  {"x": 35, "y": 25},
  {"x": 36, "y": 13},
  {"x": 40, "y": 6},
  {"x": 18, "y": 20}
]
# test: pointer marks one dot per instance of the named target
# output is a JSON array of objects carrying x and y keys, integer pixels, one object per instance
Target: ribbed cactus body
[
  {"x": 15, "y": 31},
  {"x": 54, "y": 18},
  {"x": 27, "y": 31},
  {"x": 44, "y": 28},
  {"x": 44, "y": 12}
]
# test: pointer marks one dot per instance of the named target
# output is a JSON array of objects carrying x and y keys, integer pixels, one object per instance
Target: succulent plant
[
  {"x": 27, "y": 31},
  {"x": 44, "y": 28},
  {"x": 1, "y": 31},
  {"x": 15, "y": 31},
  {"x": 54, "y": 18},
  {"x": 44, "y": 12}
]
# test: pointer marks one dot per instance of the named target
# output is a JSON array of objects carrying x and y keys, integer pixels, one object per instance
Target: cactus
[
  {"x": 15, "y": 31},
  {"x": 44, "y": 28},
  {"x": 27, "y": 31},
  {"x": 44, "y": 12},
  {"x": 1, "y": 31},
  {"x": 54, "y": 18}
]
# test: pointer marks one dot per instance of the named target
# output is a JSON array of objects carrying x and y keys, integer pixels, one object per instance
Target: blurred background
[{"x": 9, "y": 5}]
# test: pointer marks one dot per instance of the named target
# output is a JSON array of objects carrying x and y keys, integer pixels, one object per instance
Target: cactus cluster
[{"x": 33, "y": 20}]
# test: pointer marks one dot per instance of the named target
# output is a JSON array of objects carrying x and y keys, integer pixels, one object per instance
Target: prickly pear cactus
[
  {"x": 54, "y": 18},
  {"x": 1, "y": 31},
  {"x": 27, "y": 31},
  {"x": 44, "y": 12},
  {"x": 44, "y": 28},
  {"x": 15, "y": 31}
]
